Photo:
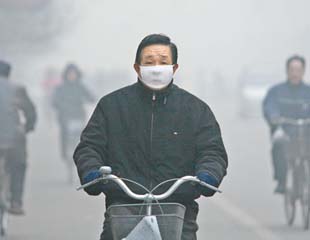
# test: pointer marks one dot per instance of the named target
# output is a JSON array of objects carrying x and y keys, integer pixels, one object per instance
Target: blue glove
[
  {"x": 91, "y": 176},
  {"x": 94, "y": 189},
  {"x": 209, "y": 179}
]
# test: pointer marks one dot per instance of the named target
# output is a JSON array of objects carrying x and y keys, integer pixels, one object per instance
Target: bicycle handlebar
[
  {"x": 106, "y": 172},
  {"x": 291, "y": 121}
]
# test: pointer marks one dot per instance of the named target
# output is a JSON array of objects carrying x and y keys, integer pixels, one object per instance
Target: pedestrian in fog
[
  {"x": 18, "y": 117},
  {"x": 69, "y": 101}
]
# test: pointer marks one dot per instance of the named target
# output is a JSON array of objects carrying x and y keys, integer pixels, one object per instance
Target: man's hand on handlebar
[
  {"x": 279, "y": 135},
  {"x": 209, "y": 179},
  {"x": 94, "y": 184},
  {"x": 95, "y": 189}
]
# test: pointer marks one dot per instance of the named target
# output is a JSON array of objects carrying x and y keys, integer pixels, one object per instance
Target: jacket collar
[
  {"x": 152, "y": 95},
  {"x": 295, "y": 86}
]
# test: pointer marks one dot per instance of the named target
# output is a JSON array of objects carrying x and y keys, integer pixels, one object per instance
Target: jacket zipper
[{"x": 151, "y": 137}]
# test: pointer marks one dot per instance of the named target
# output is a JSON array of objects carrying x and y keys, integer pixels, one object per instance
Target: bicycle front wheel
[
  {"x": 289, "y": 197},
  {"x": 305, "y": 195}
]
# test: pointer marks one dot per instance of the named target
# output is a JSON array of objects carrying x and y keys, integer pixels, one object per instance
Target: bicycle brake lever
[
  {"x": 210, "y": 186},
  {"x": 89, "y": 184}
]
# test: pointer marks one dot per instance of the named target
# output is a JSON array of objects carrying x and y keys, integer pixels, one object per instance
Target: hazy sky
[{"x": 226, "y": 36}]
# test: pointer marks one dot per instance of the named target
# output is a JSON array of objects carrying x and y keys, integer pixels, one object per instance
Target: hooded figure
[{"x": 69, "y": 101}]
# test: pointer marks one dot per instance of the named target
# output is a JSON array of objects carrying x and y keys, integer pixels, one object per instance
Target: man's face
[
  {"x": 156, "y": 55},
  {"x": 72, "y": 76},
  {"x": 295, "y": 72}
]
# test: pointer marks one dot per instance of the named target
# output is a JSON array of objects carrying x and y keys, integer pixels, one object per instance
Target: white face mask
[{"x": 156, "y": 77}]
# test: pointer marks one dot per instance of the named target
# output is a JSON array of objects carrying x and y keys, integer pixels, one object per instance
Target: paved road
[{"x": 246, "y": 209}]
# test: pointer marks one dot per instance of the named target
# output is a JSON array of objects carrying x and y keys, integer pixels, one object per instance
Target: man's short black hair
[
  {"x": 5, "y": 69},
  {"x": 297, "y": 58},
  {"x": 160, "y": 39}
]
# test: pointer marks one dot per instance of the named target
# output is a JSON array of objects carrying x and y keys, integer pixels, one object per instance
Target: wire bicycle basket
[{"x": 133, "y": 220}]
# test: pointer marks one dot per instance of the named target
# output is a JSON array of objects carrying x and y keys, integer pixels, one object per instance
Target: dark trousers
[
  {"x": 16, "y": 167},
  {"x": 4, "y": 180},
  {"x": 280, "y": 161},
  {"x": 64, "y": 140},
  {"x": 190, "y": 226}
]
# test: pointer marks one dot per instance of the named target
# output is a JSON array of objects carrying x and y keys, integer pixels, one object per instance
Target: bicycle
[
  {"x": 149, "y": 220},
  {"x": 298, "y": 173}
]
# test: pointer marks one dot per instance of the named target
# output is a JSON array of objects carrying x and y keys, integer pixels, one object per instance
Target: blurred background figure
[
  {"x": 49, "y": 83},
  {"x": 291, "y": 100},
  {"x": 18, "y": 117},
  {"x": 6, "y": 130},
  {"x": 69, "y": 100}
]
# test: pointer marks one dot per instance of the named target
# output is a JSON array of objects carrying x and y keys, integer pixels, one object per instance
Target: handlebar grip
[{"x": 105, "y": 170}]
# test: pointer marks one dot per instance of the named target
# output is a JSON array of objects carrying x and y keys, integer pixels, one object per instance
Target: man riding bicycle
[
  {"x": 286, "y": 100},
  {"x": 150, "y": 132},
  {"x": 18, "y": 117}
]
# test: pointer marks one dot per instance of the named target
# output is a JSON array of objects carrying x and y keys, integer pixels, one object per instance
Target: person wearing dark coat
[
  {"x": 290, "y": 99},
  {"x": 17, "y": 120},
  {"x": 152, "y": 131},
  {"x": 7, "y": 130},
  {"x": 69, "y": 101}
]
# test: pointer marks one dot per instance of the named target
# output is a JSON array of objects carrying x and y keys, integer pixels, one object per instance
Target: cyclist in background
[
  {"x": 18, "y": 117},
  {"x": 290, "y": 99}
]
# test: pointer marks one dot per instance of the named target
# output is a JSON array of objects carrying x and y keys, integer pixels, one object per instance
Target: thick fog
[
  {"x": 230, "y": 54},
  {"x": 227, "y": 36}
]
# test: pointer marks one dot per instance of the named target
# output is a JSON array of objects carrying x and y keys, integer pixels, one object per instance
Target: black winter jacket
[{"x": 150, "y": 137}]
